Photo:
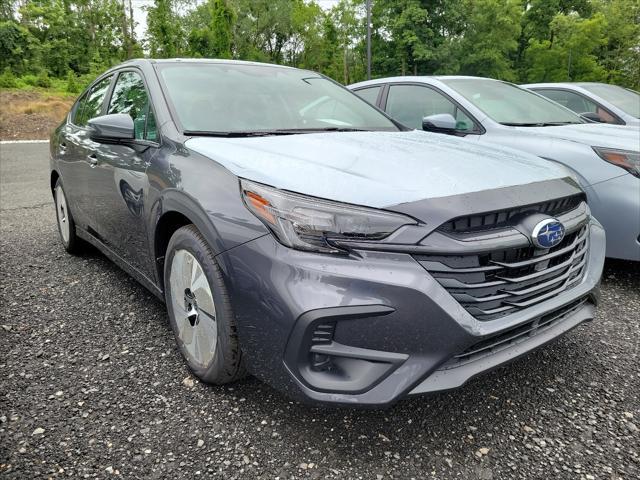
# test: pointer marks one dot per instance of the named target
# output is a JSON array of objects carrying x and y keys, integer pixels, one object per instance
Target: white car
[
  {"x": 605, "y": 159},
  {"x": 599, "y": 102}
]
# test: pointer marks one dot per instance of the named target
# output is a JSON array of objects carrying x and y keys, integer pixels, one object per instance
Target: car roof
[
  {"x": 432, "y": 79},
  {"x": 164, "y": 61},
  {"x": 562, "y": 84}
]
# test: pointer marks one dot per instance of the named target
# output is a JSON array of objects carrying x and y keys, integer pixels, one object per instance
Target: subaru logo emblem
[{"x": 547, "y": 233}]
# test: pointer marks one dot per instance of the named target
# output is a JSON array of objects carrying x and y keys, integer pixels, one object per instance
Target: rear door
[
  {"x": 76, "y": 152},
  {"x": 121, "y": 185}
]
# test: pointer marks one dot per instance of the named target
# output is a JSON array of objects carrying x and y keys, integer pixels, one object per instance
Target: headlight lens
[
  {"x": 308, "y": 223},
  {"x": 626, "y": 159}
]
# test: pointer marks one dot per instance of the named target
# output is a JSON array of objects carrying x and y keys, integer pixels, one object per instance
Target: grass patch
[
  {"x": 31, "y": 113},
  {"x": 55, "y": 106}
]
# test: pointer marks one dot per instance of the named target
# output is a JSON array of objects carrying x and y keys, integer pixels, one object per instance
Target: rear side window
[
  {"x": 130, "y": 96},
  {"x": 369, "y": 94},
  {"x": 409, "y": 104},
  {"x": 91, "y": 105}
]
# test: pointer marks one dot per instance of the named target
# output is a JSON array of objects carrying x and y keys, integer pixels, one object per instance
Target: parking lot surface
[{"x": 92, "y": 385}]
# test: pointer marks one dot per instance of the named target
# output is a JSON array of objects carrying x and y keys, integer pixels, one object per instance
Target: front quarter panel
[
  {"x": 203, "y": 191},
  {"x": 580, "y": 158}
]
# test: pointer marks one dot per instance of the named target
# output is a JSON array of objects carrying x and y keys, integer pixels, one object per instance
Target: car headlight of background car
[
  {"x": 626, "y": 159},
  {"x": 308, "y": 223}
]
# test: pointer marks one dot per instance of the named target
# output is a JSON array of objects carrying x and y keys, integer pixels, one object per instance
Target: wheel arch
[
  {"x": 173, "y": 211},
  {"x": 53, "y": 179}
]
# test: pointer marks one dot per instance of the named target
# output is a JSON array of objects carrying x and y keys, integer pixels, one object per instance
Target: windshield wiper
[
  {"x": 321, "y": 129},
  {"x": 540, "y": 124},
  {"x": 231, "y": 134},
  {"x": 265, "y": 133}
]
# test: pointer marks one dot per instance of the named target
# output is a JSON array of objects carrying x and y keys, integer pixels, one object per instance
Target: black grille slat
[
  {"x": 503, "y": 281},
  {"x": 500, "y": 219},
  {"x": 513, "y": 336}
]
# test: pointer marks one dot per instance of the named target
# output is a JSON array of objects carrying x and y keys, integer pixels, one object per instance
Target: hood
[
  {"x": 375, "y": 169},
  {"x": 592, "y": 134}
]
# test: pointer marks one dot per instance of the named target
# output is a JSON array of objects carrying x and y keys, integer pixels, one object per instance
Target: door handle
[{"x": 93, "y": 160}]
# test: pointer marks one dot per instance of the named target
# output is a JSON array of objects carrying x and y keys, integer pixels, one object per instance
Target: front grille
[
  {"x": 503, "y": 281},
  {"x": 513, "y": 336},
  {"x": 502, "y": 218}
]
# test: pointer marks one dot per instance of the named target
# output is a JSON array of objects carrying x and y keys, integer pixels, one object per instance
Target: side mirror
[
  {"x": 115, "y": 127},
  {"x": 440, "y": 123},
  {"x": 592, "y": 117}
]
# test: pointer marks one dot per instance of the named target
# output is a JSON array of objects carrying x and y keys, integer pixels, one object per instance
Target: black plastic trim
[{"x": 374, "y": 365}]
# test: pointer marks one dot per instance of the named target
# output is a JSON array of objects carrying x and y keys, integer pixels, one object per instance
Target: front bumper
[
  {"x": 390, "y": 327},
  {"x": 616, "y": 204}
]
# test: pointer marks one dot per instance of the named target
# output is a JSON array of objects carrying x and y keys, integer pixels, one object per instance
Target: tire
[
  {"x": 66, "y": 225},
  {"x": 200, "y": 309}
]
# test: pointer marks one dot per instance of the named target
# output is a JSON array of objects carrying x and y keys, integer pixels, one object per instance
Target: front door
[
  {"x": 76, "y": 152},
  {"x": 121, "y": 183}
]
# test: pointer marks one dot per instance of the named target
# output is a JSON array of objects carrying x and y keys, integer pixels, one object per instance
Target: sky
[{"x": 140, "y": 15}]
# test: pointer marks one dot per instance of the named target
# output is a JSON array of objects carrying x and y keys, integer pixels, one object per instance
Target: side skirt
[{"x": 120, "y": 262}]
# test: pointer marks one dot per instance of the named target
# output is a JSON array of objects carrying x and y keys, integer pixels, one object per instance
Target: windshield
[
  {"x": 511, "y": 105},
  {"x": 225, "y": 97},
  {"x": 626, "y": 100}
]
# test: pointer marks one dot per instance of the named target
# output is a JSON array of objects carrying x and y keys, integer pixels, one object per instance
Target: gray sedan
[
  {"x": 604, "y": 158},
  {"x": 596, "y": 101}
]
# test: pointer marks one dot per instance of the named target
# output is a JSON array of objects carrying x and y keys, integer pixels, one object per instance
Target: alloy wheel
[{"x": 193, "y": 308}]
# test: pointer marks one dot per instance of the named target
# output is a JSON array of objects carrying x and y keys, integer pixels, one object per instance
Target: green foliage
[
  {"x": 164, "y": 33},
  {"x": 620, "y": 55},
  {"x": 8, "y": 79},
  {"x": 72, "y": 83},
  {"x": 43, "y": 80},
  {"x": 66, "y": 43},
  {"x": 18, "y": 47},
  {"x": 211, "y": 35},
  {"x": 571, "y": 54},
  {"x": 490, "y": 41}
]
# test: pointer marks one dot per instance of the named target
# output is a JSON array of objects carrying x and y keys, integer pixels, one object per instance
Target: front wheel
[{"x": 200, "y": 310}]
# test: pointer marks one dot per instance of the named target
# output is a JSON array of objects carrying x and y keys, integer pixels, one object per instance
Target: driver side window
[
  {"x": 409, "y": 104},
  {"x": 130, "y": 96},
  {"x": 90, "y": 105},
  {"x": 577, "y": 103}
]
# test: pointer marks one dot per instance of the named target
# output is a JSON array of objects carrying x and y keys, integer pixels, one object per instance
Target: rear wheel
[
  {"x": 199, "y": 309},
  {"x": 66, "y": 225}
]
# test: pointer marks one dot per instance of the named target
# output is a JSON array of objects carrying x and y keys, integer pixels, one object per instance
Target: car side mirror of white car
[
  {"x": 440, "y": 123},
  {"x": 592, "y": 117}
]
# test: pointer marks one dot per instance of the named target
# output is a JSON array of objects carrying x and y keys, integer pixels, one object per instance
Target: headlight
[
  {"x": 626, "y": 159},
  {"x": 308, "y": 223}
]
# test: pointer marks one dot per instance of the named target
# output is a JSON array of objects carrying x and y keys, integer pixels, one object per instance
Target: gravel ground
[{"x": 92, "y": 385}]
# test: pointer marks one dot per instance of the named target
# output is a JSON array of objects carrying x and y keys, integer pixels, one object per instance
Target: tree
[
  {"x": 620, "y": 54},
  {"x": 18, "y": 48},
  {"x": 164, "y": 36},
  {"x": 489, "y": 43},
  {"x": 571, "y": 54},
  {"x": 518, "y": 40},
  {"x": 211, "y": 30}
]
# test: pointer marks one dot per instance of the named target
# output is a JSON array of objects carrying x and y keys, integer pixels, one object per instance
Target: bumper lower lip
[
  {"x": 450, "y": 378},
  {"x": 395, "y": 324}
]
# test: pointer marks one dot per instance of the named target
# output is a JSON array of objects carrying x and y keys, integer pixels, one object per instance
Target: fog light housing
[{"x": 322, "y": 364}]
